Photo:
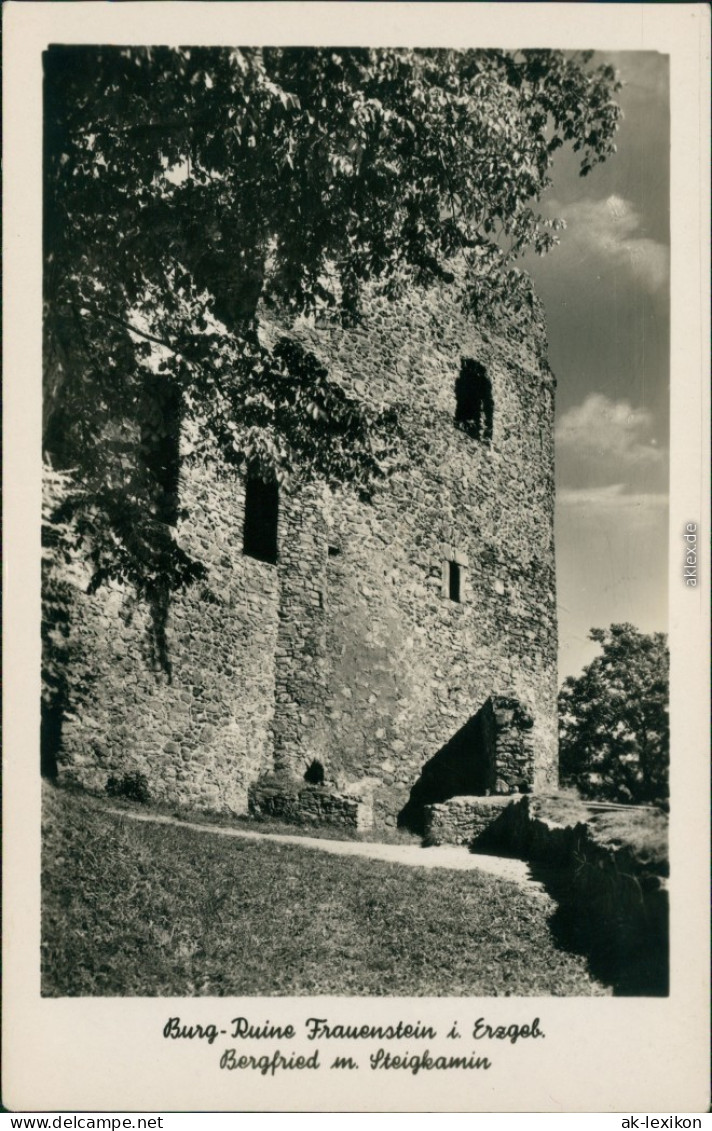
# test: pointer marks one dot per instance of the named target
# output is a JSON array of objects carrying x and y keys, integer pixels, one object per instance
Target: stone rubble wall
[
  {"x": 462, "y": 819},
  {"x": 309, "y": 805},
  {"x": 357, "y": 659},
  {"x": 513, "y": 761},
  {"x": 202, "y": 732},
  {"x": 378, "y": 669},
  {"x": 300, "y": 729}
]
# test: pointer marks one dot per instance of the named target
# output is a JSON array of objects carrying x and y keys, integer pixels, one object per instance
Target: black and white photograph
[{"x": 353, "y": 661}]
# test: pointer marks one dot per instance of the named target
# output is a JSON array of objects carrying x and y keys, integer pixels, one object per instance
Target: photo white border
[{"x": 611, "y": 1054}]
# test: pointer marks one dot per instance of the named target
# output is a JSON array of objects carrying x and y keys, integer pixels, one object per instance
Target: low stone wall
[
  {"x": 613, "y": 900},
  {"x": 461, "y": 819},
  {"x": 310, "y": 805}
]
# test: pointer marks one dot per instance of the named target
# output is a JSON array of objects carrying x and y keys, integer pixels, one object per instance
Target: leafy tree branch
[{"x": 614, "y": 727}]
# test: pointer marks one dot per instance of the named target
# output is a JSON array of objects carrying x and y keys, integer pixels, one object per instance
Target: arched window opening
[
  {"x": 261, "y": 520},
  {"x": 474, "y": 406}
]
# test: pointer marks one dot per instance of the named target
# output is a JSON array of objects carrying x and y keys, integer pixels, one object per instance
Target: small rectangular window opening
[
  {"x": 334, "y": 552},
  {"x": 261, "y": 520},
  {"x": 474, "y": 405},
  {"x": 454, "y": 580}
]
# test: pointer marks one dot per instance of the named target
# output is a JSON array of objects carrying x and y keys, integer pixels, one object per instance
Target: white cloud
[
  {"x": 610, "y": 432},
  {"x": 608, "y": 232},
  {"x": 613, "y": 499}
]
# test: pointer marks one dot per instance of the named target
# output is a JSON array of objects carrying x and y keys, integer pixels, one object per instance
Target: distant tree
[{"x": 613, "y": 719}]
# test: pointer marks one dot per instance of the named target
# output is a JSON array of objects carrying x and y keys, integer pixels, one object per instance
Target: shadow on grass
[
  {"x": 608, "y": 884},
  {"x": 619, "y": 951},
  {"x": 142, "y": 909},
  {"x": 630, "y": 955}
]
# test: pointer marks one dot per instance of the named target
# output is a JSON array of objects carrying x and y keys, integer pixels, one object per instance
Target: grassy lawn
[
  {"x": 270, "y": 825},
  {"x": 142, "y": 909}
]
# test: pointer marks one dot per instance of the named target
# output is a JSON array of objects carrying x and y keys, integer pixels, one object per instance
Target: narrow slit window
[
  {"x": 454, "y": 581},
  {"x": 261, "y": 520},
  {"x": 474, "y": 406}
]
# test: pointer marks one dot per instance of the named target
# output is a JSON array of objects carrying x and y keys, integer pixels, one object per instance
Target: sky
[{"x": 606, "y": 294}]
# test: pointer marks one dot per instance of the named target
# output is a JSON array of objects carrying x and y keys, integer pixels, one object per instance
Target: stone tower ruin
[{"x": 348, "y": 660}]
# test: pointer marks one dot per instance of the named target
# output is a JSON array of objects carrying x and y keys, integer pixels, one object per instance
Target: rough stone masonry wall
[
  {"x": 378, "y": 669},
  {"x": 513, "y": 754},
  {"x": 461, "y": 819},
  {"x": 309, "y": 805},
  {"x": 202, "y": 733},
  {"x": 301, "y": 649},
  {"x": 358, "y": 658}
]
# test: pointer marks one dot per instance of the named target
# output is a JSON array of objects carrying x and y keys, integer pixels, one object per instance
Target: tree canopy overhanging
[
  {"x": 613, "y": 719},
  {"x": 186, "y": 190}
]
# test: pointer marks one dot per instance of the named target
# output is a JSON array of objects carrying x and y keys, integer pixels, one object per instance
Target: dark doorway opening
[{"x": 315, "y": 773}]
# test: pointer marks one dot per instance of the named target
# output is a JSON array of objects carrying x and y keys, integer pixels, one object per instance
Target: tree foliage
[
  {"x": 189, "y": 191},
  {"x": 613, "y": 719}
]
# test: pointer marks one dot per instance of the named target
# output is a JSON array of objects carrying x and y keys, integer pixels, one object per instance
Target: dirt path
[{"x": 454, "y": 857}]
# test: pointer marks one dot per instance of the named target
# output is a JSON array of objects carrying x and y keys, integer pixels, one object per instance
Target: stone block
[
  {"x": 461, "y": 819},
  {"x": 305, "y": 804}
]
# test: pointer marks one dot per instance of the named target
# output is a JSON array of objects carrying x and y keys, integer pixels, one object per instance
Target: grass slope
[
  {"x": 137, "y": 909},
  {"x": 643, "y": 831}
]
